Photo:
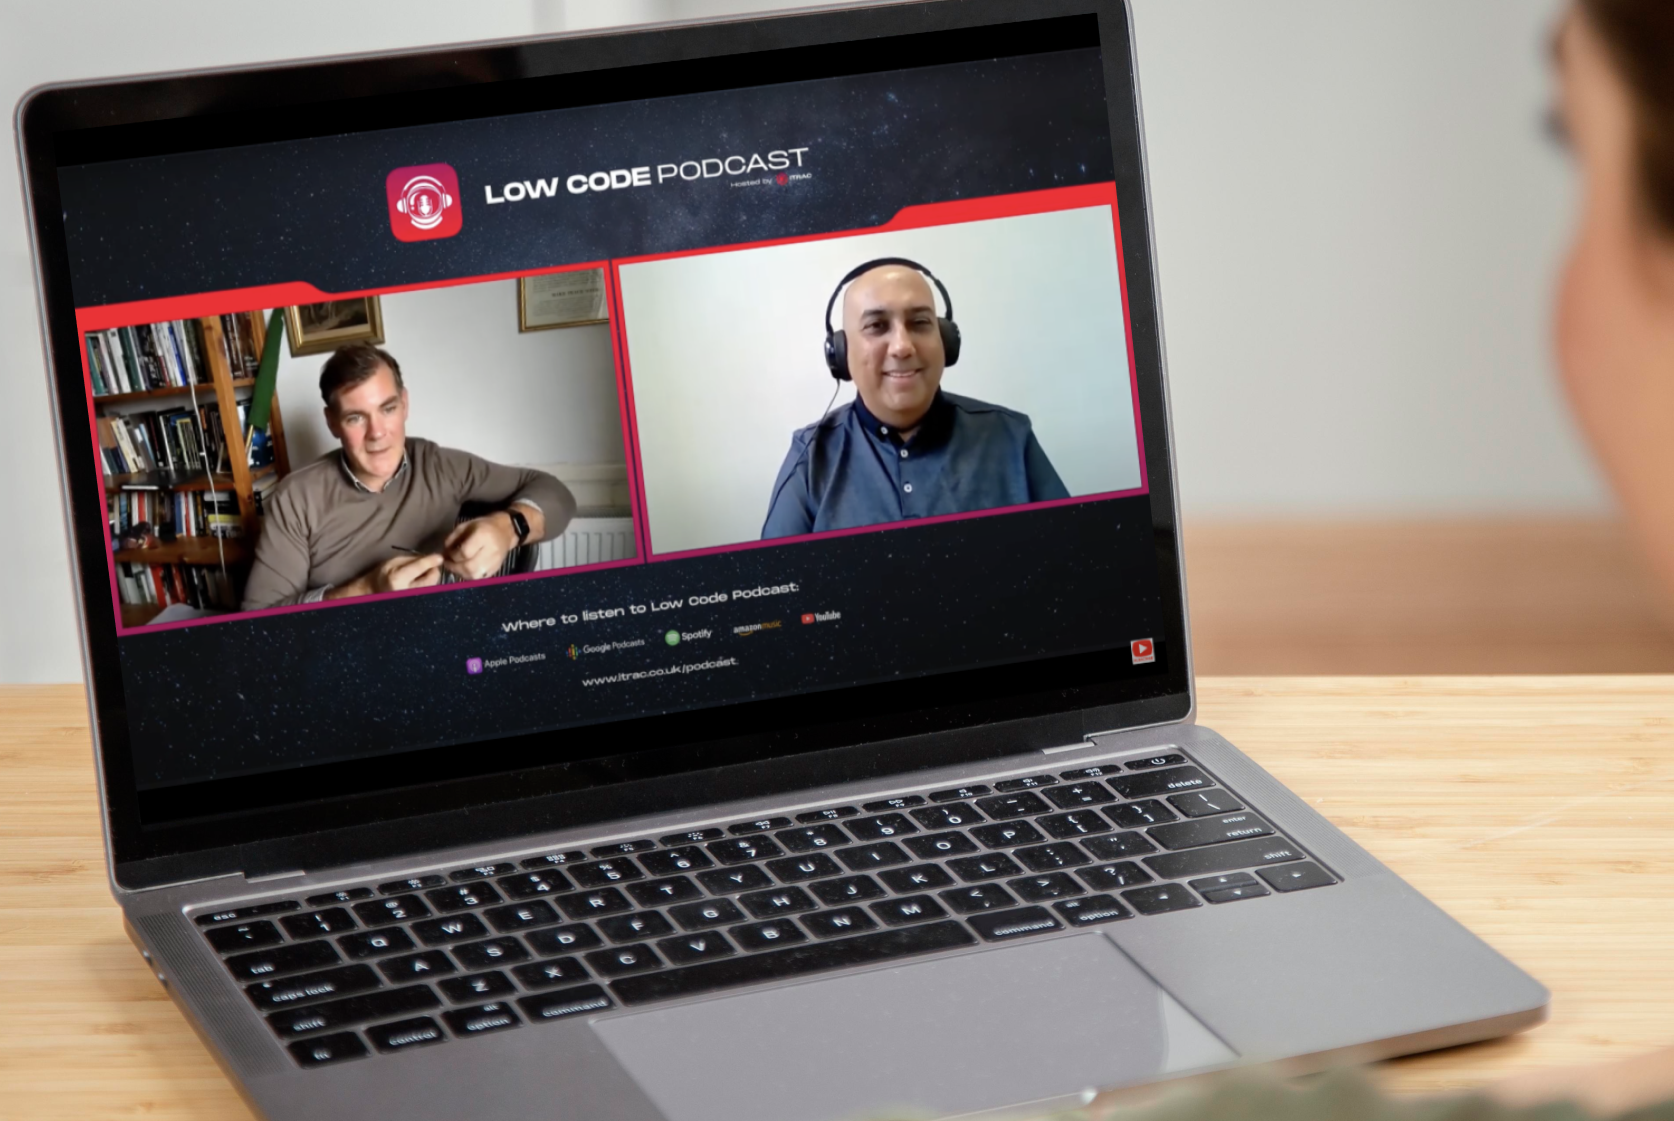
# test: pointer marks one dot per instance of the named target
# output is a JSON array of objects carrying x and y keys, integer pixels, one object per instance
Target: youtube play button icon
[{"x": 1143, "y": 651}]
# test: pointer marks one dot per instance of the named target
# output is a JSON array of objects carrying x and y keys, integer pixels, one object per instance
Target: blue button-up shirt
[{"x": 851, "y": 469}]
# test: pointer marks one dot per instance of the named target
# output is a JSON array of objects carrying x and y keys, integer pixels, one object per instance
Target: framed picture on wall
[
  {"x": 561, "y": 299},
  {"x": 317, "y": 328}
]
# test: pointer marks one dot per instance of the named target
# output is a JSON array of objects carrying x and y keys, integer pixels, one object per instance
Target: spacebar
[{"x": 791, "y": 961}]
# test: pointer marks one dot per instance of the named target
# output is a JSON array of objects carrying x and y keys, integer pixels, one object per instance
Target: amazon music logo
[{"x": 424, "y": 202}]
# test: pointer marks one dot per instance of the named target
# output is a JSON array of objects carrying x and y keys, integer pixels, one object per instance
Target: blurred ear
[{"x": 331, "y": 422}]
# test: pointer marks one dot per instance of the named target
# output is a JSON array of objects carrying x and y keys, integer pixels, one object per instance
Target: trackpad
[{"x": 1032, "y": 1021}]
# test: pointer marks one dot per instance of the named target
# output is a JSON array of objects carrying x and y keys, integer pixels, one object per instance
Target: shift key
[
  {"x": 384, "y": 1005},
  {"x": 1209, "y": 831},
  {"x": 1223, "y": 858}
]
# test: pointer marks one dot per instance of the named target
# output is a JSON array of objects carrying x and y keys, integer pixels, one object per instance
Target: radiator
[{"x": 587, "y": 541}]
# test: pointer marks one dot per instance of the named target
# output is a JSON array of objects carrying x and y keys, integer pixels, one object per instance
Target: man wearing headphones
[{"x": 903, "y": 448}]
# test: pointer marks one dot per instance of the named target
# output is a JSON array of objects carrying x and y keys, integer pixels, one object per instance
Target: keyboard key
[
  {"x": 1038, "y": 889},
  {"x": 760, "y": 825},
  {"x": 920, "y": 877},
  {"x": 900, "y": 802},
  {"x": 375, "y": 943},
  {"x": 1092, "y": 910},
  {"x": 660, "y": 893},
  {"x": 309, "y": 987},
  {"x": 672, "y": 862},
  {"x": 912, "y": 908},
  {"x": 864, "y": 858},
  {"x": 849, "y": 889},
  {"x": 623, "y": 848},
  {"x": 394, "y": 908},
  {"x": 244, "y": 936},
  {"x": 1137, "y": 815},
  {"x": 318, "y": 924},
  {"x": 463, "y": 896},
  {"x": 569, "y": 1002},
  {"x": 1210, "y": 830},
  {"x": 1031, "y": 783},
  {"x": 1046, "y": 858},
  {"x": 1223, "y": 858},
  {"x": 416, "y": 967},
  {"x": 532, "y": 885},
  {"x": 455, "y": 928},
  {"x": 482, "y": 1019},
  {"x": 960, "y": 793},
  {"x": 412, "y": 883},
  {"x": 606, "y": 873},
  {"x": 1119, "y": 846},
  {"x": 773, "y": 932},
  {"x": 989, "y": 866},
  {"x": 835, "y": 813},
  {"x": 490, "y": 952},
  {"x": 562, "y": 939},
  {"x": 692, "y": 837},
  {"x": 978, "y": 897},
  {"x": 1297, "y": 877},
  {"x": 1003, "y": 807},
  {"x": 382, "y": 1004},
  {"x": 809, "y": 838},
  {"x": 546, "y": 974},
  {"x": 741, "y": 850},
  {"x": 328, "y": 1049},
  {"x": 1097, "y": 771},
  {"x": 1161, "y": 898},
  {"x": 795, "y": 869},
  {"x": 632, "y": 928},
  {"x": 700, "y": 946},
  {"x": 1151, "y": 762},
  {"x": 399, "y": 1036},
  {"x": 1115, "y": 874},
  {"x": 551, "y": 860},
  {"x": 950, "y": 815},
  {"x": 481, "y": 872},
  {"x": 701, "y": 916},
  {"x": 1004, "y": 836},
  {"x": 1076, "y": 823},
  {"x": 1078, "y": 794},
  {"x": 345, "y": 895},
  {"x": 791, "y": 961},
  {"x": 1202, "y": 803},
  {"x": 1001, "y": 926},
  {"x": 725, "y": 881},
  {"x": 1173, "y": 780},
  {"x": 476, "y": 986},
  {"x": 1233, "y": 894},
  {"x": 623, "y": 960},
  {"x": 1230, "y": 879},
  {"x": 233, "y": 914},
  {"x": 940, "y": 844},
  {"x": 836, "y": 924},
  {"x": 521, "y": 916},
  {"x": 779, "y": 901},
  {"x": 282, "y": 960},
  {"x": 591, "y": 904}
]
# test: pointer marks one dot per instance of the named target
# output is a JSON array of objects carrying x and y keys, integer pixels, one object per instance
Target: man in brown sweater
[{"x": 379, "y": 514}]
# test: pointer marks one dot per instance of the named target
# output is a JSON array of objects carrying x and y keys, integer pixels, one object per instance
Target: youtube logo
[
  {"x": 807, "y": 617},
  {"x": 1143, "y": 650}
]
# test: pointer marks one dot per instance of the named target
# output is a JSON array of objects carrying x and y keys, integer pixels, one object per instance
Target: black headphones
[{"x": 837, "y": 343}]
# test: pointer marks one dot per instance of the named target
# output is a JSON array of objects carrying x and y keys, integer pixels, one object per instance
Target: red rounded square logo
[{"x": 424, "y": 202}]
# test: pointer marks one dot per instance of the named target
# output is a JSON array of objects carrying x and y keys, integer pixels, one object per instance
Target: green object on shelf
[{"x": 267, "y": 374}]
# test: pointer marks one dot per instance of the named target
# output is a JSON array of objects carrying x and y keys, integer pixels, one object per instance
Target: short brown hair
[
  {"x": 351, "y": 365},
  {"x": 1639, "y": 34}
]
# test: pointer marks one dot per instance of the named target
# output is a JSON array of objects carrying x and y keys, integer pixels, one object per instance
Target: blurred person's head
[
  {"x": 1615, "y": 314},
  {"x": 366, "y": 409},
  {"x": 895, "y": 348}
]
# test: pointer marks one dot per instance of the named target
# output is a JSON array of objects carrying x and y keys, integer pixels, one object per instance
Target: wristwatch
[{"x": 520, "y": 524}]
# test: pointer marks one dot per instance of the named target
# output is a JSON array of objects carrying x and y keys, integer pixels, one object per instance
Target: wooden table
[{"x": 1538, "y": 810}]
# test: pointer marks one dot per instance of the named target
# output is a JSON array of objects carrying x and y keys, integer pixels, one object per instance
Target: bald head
[{"x": 894, "y": 343}]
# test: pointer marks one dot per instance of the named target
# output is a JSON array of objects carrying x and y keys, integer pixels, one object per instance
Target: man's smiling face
[{"x": 895, "y": 347}]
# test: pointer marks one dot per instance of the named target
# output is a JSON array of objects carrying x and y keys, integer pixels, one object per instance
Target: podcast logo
[{"x": 424, "y": 202}]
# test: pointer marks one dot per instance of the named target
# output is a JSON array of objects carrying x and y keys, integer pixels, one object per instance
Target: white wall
[
  {"x": 726, "y": 355},
  {"x": 1356, "y": 218},
  {"x": 475, "y": 382}
]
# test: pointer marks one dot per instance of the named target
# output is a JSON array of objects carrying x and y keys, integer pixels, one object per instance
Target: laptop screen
[{"x": 617, "y": 432}]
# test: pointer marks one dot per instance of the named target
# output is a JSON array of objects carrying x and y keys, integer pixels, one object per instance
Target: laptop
[{"x": 728, "y": 773}]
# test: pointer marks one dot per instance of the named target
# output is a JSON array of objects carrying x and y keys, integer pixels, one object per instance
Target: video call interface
[{"x": 567, "y": 417}]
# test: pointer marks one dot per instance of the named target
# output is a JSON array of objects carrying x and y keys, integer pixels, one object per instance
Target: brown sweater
[{"x": 323, "y": 529}]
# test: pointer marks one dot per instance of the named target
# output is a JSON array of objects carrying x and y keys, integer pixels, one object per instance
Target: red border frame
[{"x": 912, "y": 217}]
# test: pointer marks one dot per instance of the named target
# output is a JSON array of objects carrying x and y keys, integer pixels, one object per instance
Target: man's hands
[
  {"x": 478, "y": 548},
  {"x": 394, "y": 575}
]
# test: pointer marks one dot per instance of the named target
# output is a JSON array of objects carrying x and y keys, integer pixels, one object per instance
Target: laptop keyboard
[{"x": 406, "y": 963}]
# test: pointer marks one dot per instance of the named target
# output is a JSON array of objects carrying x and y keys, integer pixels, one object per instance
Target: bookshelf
[{"x": 181, "y": 392}]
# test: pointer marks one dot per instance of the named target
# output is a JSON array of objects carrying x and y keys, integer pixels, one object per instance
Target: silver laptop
[{"x": 793, "y": 719}]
